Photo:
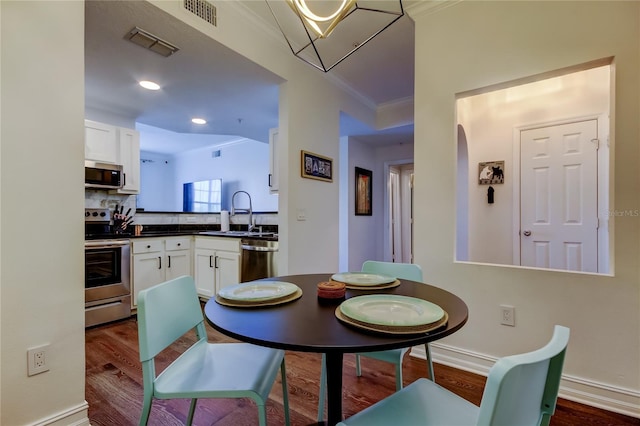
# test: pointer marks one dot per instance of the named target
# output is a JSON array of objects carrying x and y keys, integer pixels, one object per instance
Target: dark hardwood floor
[{"x": 114, "y": 387}]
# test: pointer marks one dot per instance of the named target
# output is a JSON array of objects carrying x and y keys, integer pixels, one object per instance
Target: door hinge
[{"x": 596, "y": 141}]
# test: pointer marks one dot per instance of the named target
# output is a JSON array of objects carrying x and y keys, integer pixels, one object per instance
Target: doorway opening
[{"x": 399, "y": 212}]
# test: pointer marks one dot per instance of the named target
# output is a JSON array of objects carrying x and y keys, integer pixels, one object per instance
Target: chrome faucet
[{"x": 250, "y": 210}]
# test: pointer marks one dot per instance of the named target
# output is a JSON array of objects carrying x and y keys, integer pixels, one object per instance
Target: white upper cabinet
[
  {"x": 100, "y": 142},
  {"x": 105, "y": 143},
  {"x": 129, "y": 158},
  {"x": 273, "y": 161}
]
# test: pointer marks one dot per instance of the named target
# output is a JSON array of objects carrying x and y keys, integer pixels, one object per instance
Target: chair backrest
[
  {"x": 523, "y": 389},
  {"x": 406, "y": 271},
  {"x": 165, "y": 313}
]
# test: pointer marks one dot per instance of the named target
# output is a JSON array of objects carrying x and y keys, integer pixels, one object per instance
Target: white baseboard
[
  {"x": 584, "y": 391},
  {"x": 74, "y": 416}
]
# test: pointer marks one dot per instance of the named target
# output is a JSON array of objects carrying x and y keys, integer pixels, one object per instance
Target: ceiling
[{"x": 206, "y": 79}]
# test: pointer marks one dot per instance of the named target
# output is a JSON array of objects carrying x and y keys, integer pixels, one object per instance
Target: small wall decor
[
  {"x": 363, "y": 192},
  {"x": 490, "y": 172},
  {"x": 314, "y": 166}
]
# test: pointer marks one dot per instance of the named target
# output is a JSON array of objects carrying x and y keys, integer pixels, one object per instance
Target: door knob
[{"x": 527, "y": 233}]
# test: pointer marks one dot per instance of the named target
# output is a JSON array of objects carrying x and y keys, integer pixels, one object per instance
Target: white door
[
  {"x": 395, "y": 209},
  {"x": 406, "y": 195},
  {"x": 558, "y": 197}
]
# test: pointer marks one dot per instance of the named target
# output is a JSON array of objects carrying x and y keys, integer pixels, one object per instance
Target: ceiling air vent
[
  {"x": 202, "y": 9},
  {"x": 151, "y": 42}
]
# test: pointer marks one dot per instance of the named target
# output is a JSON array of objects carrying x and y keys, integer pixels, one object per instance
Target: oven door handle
[{"x": 105, "y": 244}]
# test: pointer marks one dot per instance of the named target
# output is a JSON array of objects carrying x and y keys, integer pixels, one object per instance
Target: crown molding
[
  {"x": 397, "y": 103},
  {"x": 423, "y": 8},
  {"x": 399, "y": 112},
  {"x": 270, "y": 29}
]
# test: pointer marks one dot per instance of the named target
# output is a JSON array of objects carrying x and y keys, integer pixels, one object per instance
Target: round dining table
[{"x": 309, "y": 324}]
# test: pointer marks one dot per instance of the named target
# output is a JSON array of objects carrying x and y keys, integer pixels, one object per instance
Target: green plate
[
  {"x": 391, "y": 310},
  {"x": 258, "y": 291},
  {"x": 362, "y": 278}
]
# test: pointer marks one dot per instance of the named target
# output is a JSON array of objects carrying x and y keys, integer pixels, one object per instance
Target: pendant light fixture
[{"x": 324, "y": 33}]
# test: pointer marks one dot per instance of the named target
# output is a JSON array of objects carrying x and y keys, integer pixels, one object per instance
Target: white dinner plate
[
  {"x": 258, "y": 291},
  {"x": 391, "y": 310},
  {"x": 362, "y": 278}
]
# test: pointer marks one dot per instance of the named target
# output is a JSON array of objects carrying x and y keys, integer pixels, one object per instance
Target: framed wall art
[
  {"x": 314, "y": 166},
  {"x": 363, "y": 192},
  {"x": 490, "y": 172}
]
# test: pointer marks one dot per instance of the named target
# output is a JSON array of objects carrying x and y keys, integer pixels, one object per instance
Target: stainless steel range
[{"x": 107, "y": 272}]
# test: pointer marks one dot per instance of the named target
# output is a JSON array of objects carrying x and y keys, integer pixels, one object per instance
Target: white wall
[
  {"x": 367, "y": 235},
  {"x": 603, "y": 360},
  {"x": 242, "y": 166},
  {"x": 157, "y": 178},
  {"x": 42, "y": 255},
  {"x": 489, "y": 123},
  {"x": 308, "y": 120}
]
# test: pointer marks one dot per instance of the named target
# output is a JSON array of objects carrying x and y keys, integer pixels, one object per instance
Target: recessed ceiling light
[
  {"x": 198, "y": 121},
  {"x": 150, "y": 85}
]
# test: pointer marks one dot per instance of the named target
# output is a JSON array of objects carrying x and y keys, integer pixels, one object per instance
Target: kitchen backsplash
[
  {"x": 100, "y": 199},
  {"x": 202, "y": 219},
  {"x": 96, "y": 199}
]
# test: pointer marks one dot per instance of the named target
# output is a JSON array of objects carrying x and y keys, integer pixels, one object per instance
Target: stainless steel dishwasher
[{"x": 258, "y": 259}]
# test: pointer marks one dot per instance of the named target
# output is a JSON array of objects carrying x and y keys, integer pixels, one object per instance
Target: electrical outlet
[
  {"x": 37, "y": 360},
  {"x": 507, "y": 315}
]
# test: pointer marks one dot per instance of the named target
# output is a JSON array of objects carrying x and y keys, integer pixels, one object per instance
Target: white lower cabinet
[
  {"x": 217, "y": 264},
  {"x": 156, "y": 260}
]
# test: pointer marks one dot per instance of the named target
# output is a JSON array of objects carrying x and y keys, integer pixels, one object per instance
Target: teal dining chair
[
  {"x": 407, "y": 271},
  {"x": 170, "y": 310},
  {"x": 520, "y": 390}
]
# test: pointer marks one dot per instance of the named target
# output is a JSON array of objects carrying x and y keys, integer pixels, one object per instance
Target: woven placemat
[
  {"x": 388, "y": 329},
  {"x": 253, "y": 304},
  {"x": 393, "y": 284}
]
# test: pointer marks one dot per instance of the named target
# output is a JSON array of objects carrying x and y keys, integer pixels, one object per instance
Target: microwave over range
[{"x": 102, "y": 175}]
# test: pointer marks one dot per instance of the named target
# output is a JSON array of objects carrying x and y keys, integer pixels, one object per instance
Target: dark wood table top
[{"x": 310, "y": 325}]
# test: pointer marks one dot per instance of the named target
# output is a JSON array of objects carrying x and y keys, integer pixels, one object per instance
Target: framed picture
[
  {"x": 314, "y": 166},
  {"x": 363, "y": 192},
  {"x": 490, "y": 172}
]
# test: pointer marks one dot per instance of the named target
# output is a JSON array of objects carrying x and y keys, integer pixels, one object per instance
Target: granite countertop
[
  {"x": 154, "y": 233},
  {"x": 271, "y": 236}
]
